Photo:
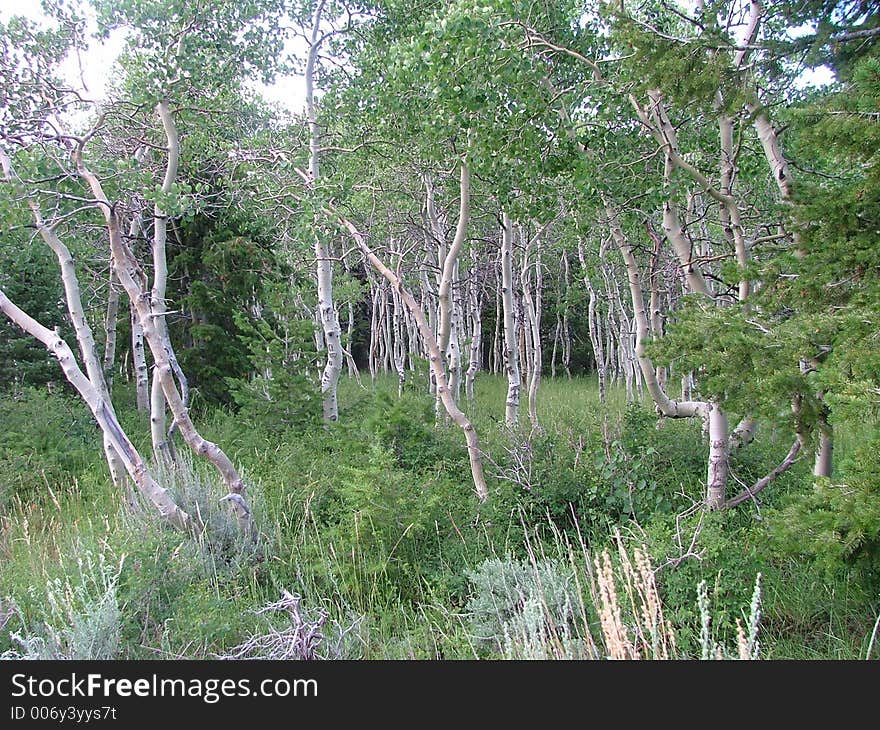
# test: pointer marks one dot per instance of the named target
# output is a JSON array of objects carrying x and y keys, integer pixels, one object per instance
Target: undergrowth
[{"x": 592, "y": 544}]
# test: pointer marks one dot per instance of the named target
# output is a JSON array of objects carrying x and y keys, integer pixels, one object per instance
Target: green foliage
[
  {"x": 517, "y": 602},
  {"x": 217, "y": 44},
  {"x": 645, "y": 467},
  {"x": 282, "y": 389},
  {"x": 405, "y": 428},
  {"x": 727, "y": 556},
  {"x": 375, "y": 518},
  {"x": 80, "y": 616},
  {"x": 220, "y": 269},
  {"x": 387, "y": 527},
  {"x": 836, "y": 524},
  {"x": 668, "y": 53},
  {"x": 29, "y": 277},
  {"x": 46, "y": 438}
]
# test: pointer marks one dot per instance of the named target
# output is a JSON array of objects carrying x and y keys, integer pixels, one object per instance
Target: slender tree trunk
[
  {"x": 511, "y": 350},
  {"x": 594, "y": 324},
  {"x": 654, "y": 279},
  {"x": 399, "y": 345},
  {"x": 475, "y": 315},
  {"x": 374, "y": 331},
  {"x": 349, "y": 330},
  {"x": 84, "y": 337},
  {"x": 557, "y": 337},
  {"x": 532, "y": 326},
  {"x": 139, "y": 360},
  {"x": 110, "y": 326},
  {"x": 566, "y": 328},
  {"x": 822, "y": 467},
  {"x": 474, "y": 351},
  {"x": 329, "y": 317},
  {"x": 718, "y": 462},
  {"x": 496, "y": 339},
  {"x": 160, "y": 277}
]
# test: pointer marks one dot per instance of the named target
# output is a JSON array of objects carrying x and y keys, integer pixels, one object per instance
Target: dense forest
[{"x": 538, "y": 329}]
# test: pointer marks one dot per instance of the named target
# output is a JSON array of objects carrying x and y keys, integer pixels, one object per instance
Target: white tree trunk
[
  {"x": 496, "y": 338},
  {"x": 399, "y": 340},
  {"x": 134, "y": 283},
  {"x": 566, "y": 328},
  {"x": 718, "y": 467},
  {"x": 532, "y": 325},
  {"x": 474, "y": 316},
  {"x": 594, "y": 324},
  {"x": 84, "y": 337},
  {"x": 160, "y": 276},
  {"x": 139, "y": 360},
  {"x": 718, "y": 462},
  {"x": 453, "y": 350},
  {"x": 822, "y": 466},
  {"x": 111, "y": 322},
  {"x": 327, "y": 313},
  {"x": 511, "y": 349}
]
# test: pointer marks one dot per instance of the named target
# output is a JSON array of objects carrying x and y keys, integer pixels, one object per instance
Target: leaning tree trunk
[
  {"x": 85, "y": 338},
  {"x": 449, "y": 311},
  {"x": 718, "y": 452},
  {"x": 132, "y": 279},
  {"x": 103, "y": 414},
  {"x": 434, "y": 358}
]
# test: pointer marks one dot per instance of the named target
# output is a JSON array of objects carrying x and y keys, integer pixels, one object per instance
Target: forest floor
[{"x": 371, "y": 543}]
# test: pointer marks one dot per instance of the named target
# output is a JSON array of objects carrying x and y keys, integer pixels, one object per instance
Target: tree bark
[
  {"x": 475, "y": 346},
  {"x": 822, "y": 466},
  {"x": 594, "y": 324},
  {"x": 134, "y": 282},
  {"x": 532, "y": 325},
  {"x": 718, "y": 467},
  {"x": 328, "y": 315},
  {"x": 139, "y": 360},
  {"x": 111, "y": 322},
  {"x": 511, "y": 350}
]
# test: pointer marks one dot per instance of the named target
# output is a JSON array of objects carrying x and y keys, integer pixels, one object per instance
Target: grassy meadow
[{"x": 372, "y": 545}]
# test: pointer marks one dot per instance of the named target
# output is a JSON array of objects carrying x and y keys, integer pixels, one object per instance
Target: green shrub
[
  {"x": 46, "y": 439},
  {"x": 516, "y": 606},
  {"x": 79, "y": 616},
  {"x": 282, "y": 391},
  {"x": 836, "y": 523}
]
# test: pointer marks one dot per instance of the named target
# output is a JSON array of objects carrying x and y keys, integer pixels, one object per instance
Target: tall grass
[{"x": 376, "y": 528}]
